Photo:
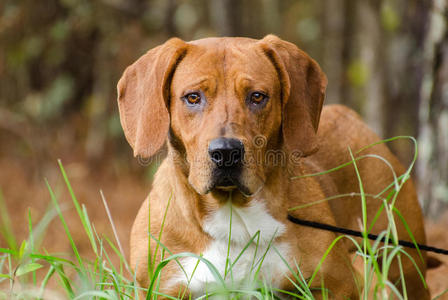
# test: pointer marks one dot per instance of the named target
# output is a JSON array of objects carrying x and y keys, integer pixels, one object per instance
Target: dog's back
[{"x": 340, "y": 128}]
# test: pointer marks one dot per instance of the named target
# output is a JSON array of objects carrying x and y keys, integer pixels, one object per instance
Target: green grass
[{"x": 27, "y": 271}]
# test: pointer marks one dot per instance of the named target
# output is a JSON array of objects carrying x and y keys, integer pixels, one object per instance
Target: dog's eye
[
  {"x": 257, "y": 98},
  {"x": 192, "y": 98}
]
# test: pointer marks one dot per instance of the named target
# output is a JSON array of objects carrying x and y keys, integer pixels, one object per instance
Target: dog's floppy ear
[
  {"x": 143, "y": 93},
  {"x": 303, "y": 93}
]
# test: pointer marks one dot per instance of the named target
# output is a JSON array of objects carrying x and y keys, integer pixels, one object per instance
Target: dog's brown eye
[
  {"x": 193, "y": 98},
  {"x": 257, "y": 97}
]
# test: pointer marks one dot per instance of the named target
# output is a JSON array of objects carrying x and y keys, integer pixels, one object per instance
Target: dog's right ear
[
  {"x": 303, "y": 84},
  {"x": 143, "y": 95}
]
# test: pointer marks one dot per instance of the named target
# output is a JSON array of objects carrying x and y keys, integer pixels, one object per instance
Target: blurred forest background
[{"x": 60, "y": 61}]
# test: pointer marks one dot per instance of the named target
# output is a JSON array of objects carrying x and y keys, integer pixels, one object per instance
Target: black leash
[{"x": 359, "y": 234}]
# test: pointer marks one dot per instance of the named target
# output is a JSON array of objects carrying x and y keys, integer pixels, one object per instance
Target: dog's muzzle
[{"x": 227, "y": 155}]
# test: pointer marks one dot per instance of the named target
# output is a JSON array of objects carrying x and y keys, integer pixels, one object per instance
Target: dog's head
[{"x": 232, "y": 108}]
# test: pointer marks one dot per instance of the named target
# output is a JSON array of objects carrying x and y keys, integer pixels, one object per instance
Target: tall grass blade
[
  {"x": 64, "y": 224},
  {"x": 81, "y": 212},
  {"x": 117, "y": 239},
  {"x": 6, "y": 228}
]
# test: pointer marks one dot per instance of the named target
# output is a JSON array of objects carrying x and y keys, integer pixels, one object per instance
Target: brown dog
[{"x": 241, "y": 117}]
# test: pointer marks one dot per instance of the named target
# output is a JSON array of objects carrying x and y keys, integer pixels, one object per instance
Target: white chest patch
[{"x": 238, "y": 263}]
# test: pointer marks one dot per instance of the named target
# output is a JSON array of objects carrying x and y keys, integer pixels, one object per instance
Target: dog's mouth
[
  {"x": 227, "y": 181},
  {"x": 226, "y": 188}
]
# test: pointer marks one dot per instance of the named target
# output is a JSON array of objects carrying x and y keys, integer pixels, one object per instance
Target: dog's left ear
[
  {"x": 143, "y": 93},
  {"x": 303, "y": 93}
]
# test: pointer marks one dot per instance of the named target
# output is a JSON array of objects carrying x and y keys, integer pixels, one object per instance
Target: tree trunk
[
  {"x": 333, "y": 45},
  {"x": 349, "y": 52},
  {"x": 433, "y": 159},
  {"x": 226, "y": 17},
  {"x": 371, "y": 48}
]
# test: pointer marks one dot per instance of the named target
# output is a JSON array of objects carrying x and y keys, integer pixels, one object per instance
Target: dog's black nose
[{"x": 225, "y": 152}]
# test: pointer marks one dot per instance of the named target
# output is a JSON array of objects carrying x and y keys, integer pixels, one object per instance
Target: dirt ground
[{"x": 24, "y": 189}]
